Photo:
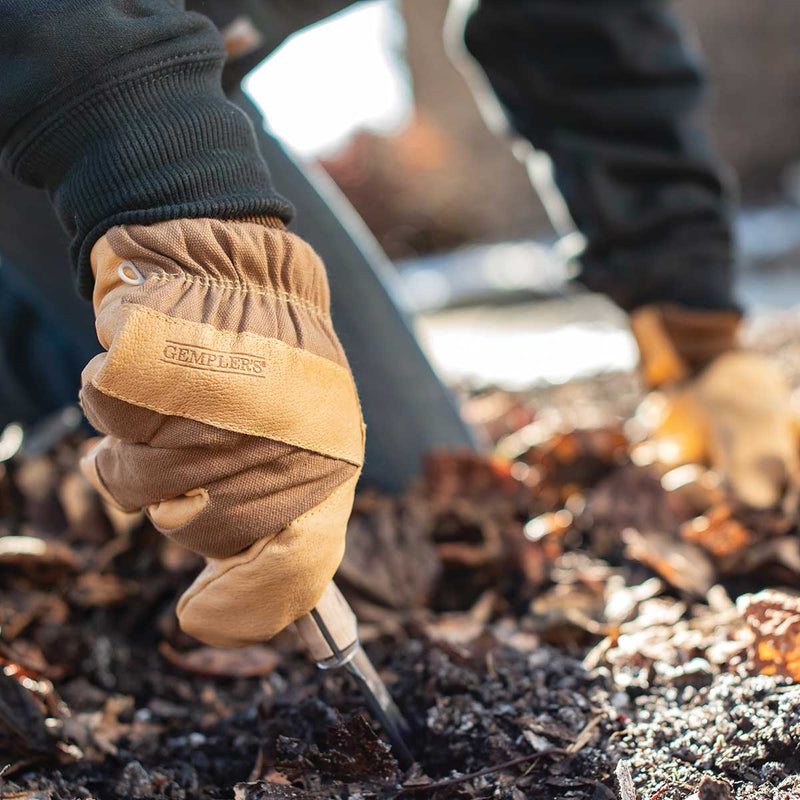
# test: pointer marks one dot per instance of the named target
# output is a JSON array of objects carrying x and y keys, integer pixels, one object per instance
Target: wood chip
[{"x": 626, "y": 788}]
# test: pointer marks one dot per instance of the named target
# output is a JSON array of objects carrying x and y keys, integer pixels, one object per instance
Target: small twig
[
  {"x": 585, "y": 736},
  {"x": 120, "y": 544},
  {"x": 11, "y": 769},
  {"x": 9, "y": 653},
  {"x": 432, "y": 787}
]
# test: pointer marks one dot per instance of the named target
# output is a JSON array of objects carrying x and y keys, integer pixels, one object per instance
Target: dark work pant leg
[
  {"x": 407, "y": 409},
  {"x": 610, "y": 90}
]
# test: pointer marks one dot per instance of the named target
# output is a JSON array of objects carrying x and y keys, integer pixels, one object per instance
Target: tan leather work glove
[
  {"x": 719, "y": 404},
  {"x": 230, "y": 411}
]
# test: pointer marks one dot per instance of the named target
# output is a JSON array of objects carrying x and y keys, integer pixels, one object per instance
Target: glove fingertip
[{"x": 178, "y": 511}]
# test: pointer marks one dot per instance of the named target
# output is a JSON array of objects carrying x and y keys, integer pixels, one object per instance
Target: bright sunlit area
[
  {"x": 339, "y": 92},
  {"x": 336, "y": 77}
]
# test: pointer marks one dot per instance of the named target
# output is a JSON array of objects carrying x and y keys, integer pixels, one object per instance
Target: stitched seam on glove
[
  {"x": 240, "y": 255},
  {"x": 244, "y": 288}
]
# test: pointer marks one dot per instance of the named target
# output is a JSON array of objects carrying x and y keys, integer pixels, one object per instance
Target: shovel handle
[{"x": 330, "y": 631}]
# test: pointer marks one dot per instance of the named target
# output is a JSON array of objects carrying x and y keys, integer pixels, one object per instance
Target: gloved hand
[
  {"x": 230, "y": 411},
  {"x": 720, "y": 404}
]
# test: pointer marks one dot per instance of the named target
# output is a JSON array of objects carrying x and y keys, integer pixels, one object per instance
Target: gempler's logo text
[{"x": 204, "y": 358}]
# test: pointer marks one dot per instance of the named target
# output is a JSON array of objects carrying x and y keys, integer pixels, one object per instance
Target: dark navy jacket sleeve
[{"x": 115, "y": 107}]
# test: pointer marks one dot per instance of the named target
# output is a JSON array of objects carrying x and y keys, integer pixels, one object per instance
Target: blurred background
[{"x": 394, "y": 124}]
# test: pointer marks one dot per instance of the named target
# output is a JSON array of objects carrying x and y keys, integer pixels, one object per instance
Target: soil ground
[{"x": 554, "y": 622}]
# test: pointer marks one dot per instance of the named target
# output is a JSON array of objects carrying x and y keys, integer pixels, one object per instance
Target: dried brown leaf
[
  {"x": 685, "y": 566},
  {"x": 98, "y": 732},
  {"x": 246, "y": 662},
  {"x": 462, "y": 628},
  {"x": 83, "y": 508},
  {"x": 712, "y": 789},
  {"x": 32, "y": 552},
  {"x": 355, "y": 753},
  {"x": 390, "y": 561},
  {"x": 22, "y": 726},
  {"x": 718, "y": 532},
  {"x": 773, "y": 617},
  {"x": 92, "y": 590}
]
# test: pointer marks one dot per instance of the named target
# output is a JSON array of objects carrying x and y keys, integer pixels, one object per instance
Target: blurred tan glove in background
[
  {"x": 720, "y": 404},
  {"x": 230, "y": 411}
]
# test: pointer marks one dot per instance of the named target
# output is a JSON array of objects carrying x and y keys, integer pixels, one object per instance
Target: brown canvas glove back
[
  {"x": 718, "y": 403},
  {"x": 230, "y": 413}
]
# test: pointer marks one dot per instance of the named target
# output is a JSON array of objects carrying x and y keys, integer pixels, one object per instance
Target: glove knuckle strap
[{"x": 240, "y": 382}]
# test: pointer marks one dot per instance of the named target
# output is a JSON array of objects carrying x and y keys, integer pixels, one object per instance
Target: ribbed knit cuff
[{"x": 146, "y": 146}]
